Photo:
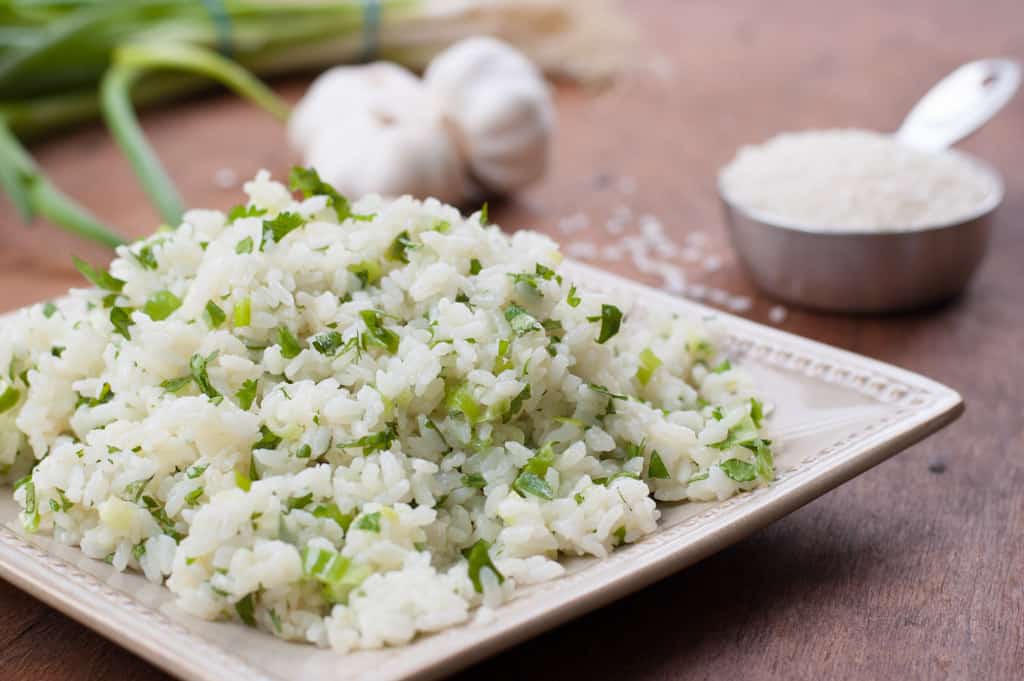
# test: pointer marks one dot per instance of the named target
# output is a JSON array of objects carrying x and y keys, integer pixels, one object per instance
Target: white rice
[
  {"x": 360, "y": 497},
  {"x": 857, "y": 180}
]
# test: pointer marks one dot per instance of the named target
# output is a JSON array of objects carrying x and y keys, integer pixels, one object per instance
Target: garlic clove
[
  {"x": 502, "y": 107},
  {"x": 382, "y": 89}
]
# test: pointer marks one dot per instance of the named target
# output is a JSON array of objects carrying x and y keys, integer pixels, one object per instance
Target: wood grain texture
[{"x": 913, "y": 570}]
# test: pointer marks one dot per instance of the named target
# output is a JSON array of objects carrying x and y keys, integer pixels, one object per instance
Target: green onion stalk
[{"x": 63, "y": 62}]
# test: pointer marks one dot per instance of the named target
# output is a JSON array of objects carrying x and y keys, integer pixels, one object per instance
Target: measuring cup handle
[{"x": 960, "y": 103}]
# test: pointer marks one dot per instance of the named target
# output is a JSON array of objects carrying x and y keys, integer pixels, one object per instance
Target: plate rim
[{"x": 114, "y": 614}]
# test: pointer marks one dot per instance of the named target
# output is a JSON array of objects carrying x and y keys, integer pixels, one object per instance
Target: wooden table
[{"x": 915, "y": 570}]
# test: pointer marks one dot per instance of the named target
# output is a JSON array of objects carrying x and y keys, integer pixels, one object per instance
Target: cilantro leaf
[
  {"x": 611, "y": 319},
  {"x": 738, "y": 470},
  {"x": 100, "y": 279},
  {"x": 479, "y": 559},
  {"x": 520, "y": 320},
  {"x": 328, "y": 343},
  {"x": 649, "y": 363},
  {"x": 572, "y": 299},
  {"x": 290, "y": 347},
  {"x": 246, "y": 394},
  {"x": 370, "y": 522},
  {"x": 276, "y": 229},
  {"x": 121, "y": 318},
  {"x": 530, "y": 483},
  {"x": 197, "y": 364},
  {"x": 657, "y": 469}
]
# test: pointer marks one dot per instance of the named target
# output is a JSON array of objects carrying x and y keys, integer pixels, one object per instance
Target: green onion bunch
[{"x": 67, "y": 61}]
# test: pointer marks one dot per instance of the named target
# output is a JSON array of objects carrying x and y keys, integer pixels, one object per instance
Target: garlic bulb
[
  {"x": 502, "y": 107},
  {"x": 479, "y": 123}
]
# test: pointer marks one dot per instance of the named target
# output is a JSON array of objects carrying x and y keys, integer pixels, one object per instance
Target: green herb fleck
[
  {"x": 370, "y": 522},
  {"x": 474, "y": 481},
  {"x": 160, "y": 305},
  {"x": 244, "y": 246},
  {"x": 520, "y": 320},
  {"x": 214, "y": 315},
  {"x": 738, "y": 470},
  {"x": 572, "y": 299},
  {"x": 121, "y": 319},
  {"x": 276, "y": 229},
  {"x": 247, "y": 393},
  {"x": 99, "y": 279},
  {"x": 243, "y": 312},
  {"x": 530, "y": 483},
  {"x": 290, "y": 347},
  {"x": 244, "y": 607},
  {"x": 479, "y": 558},
  {"x": 611, "y": 319},
  {"x": 198, "y": 364},
  {"x": 400, "y": 247},
  {"x": 657, "y": 469}
]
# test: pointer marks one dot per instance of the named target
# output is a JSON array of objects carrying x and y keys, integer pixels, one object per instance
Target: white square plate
[{"x": 836, "y": 413}]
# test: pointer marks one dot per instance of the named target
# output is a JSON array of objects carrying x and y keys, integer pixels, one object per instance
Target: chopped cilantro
[
  {"x": 100, "y": 279},
  {"x": 214, "y": 315},
  {"x": 520, "y": 320},
  {"x": 723, "y": 367},
  {"x": 9, "y": 397},
  {"x": 611, "y": 319},
  {"x": 290, "y": 347},
  {"x": 530, "y": 483},
  {"x": 332, "y": 511},
  {"x": 244, "y": 607},
  {"x": 194, "y": 472},
  {"x": 246, "y": 394},
  {"x": 657, "y": 469},
  {"x": 48, "y": 309},
  {"x": 479, "y": 558},
  {"x": 121, "y": 319},
  {"x": 307, "y": 181},
  {"x": 243, "y": 312},
  {"x": 173, "y": 385},
  {"x": 244, "y": 246},
  {"x": 192, "y": 498},
  {"x": 276, "y": 229},
  {"x": 475, "y": 266}
]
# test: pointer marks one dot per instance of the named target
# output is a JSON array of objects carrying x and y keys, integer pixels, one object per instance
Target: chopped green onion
[
  {"x": 268, "y": 439},
  {"x": 649, "y": 363},
  {"x": 243, "y": 312},
  {"x": 160, "y": 305}
]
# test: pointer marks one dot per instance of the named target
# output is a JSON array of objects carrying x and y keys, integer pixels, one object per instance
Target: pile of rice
[
  {"x": 856, "y": 180},
  {"x": 348, "y": 424}
]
